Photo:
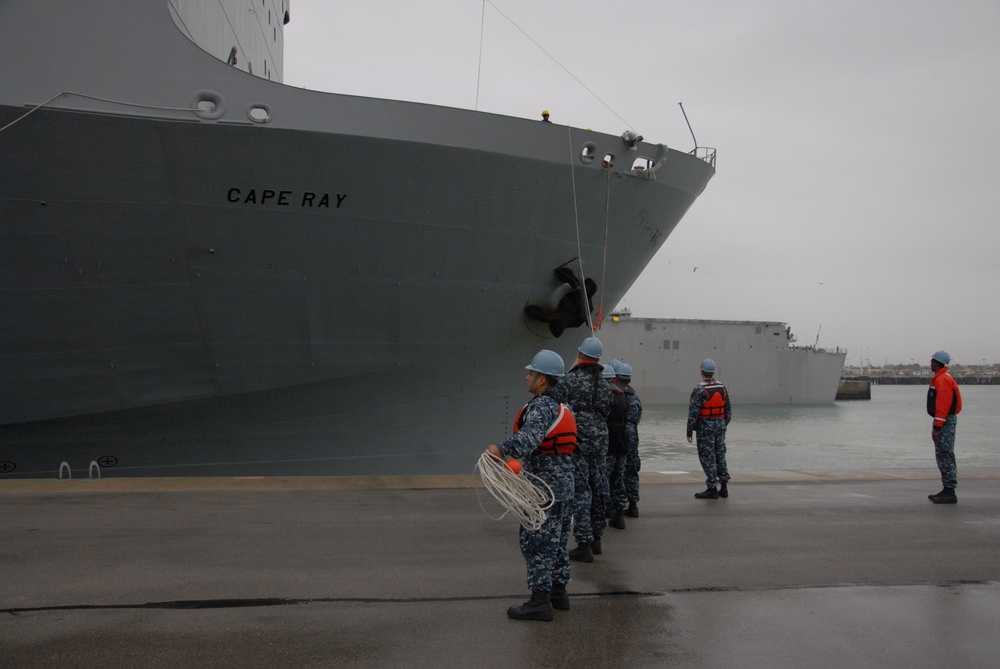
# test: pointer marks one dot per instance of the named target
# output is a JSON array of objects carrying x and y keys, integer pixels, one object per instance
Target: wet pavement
[{"x": 795, "y": 569}]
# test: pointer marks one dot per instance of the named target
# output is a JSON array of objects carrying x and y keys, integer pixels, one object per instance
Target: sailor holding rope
[{"x": 545, "y": 438}]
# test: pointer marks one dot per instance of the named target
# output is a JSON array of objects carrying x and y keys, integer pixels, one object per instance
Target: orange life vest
[
  {"x": 715, "y": 405},
  {"x": 943, "y": 397},
  {"x": 560, "y": 437}
]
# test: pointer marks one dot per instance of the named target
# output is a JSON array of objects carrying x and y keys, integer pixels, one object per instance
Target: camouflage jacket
[
  {"x": 589, "y": 396},
  {"x": 556, "y": 470}
]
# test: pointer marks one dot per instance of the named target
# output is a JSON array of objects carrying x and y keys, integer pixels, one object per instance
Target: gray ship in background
[
  {"x": 758, "y": 361},
  {"x": 206, "y": 272}
]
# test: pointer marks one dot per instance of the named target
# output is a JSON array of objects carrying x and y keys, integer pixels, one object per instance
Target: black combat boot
[
  {"x": 537, "y": 608},
  {"x": 724, "y": 490},
  {"x": 617, "y": 519},
  {"x": 559, "y": 597},
  {"x": 710, "y": 493},
  {"x": 582, "y": 553},
  {"x": 595, "y": 546},
  {"x": 633, "y": 510},
  {"x": 946, "y": 496}
]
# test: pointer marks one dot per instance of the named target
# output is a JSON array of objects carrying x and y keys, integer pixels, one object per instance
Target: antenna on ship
[{"x": 681, "y": 105}]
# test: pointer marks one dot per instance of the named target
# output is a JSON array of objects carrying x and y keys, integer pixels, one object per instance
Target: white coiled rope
[{"x": 524, "y": 495}]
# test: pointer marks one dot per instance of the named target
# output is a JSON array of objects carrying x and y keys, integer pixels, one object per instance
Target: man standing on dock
[
  {"x": 623, "y": 379},
  {"x": 709, "y": 412},
  {"x": 545, "y": 439},
  {"x": 588, "y": 395},
  {"x": 617, "y": 452},
  {"x": 944, "y": 403}
]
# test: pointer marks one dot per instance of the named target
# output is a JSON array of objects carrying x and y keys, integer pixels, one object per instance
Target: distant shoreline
[{"x": 973, "y": 380}]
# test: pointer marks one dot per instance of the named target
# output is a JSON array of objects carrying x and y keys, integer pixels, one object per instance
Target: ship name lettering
[{"x": 284, "y": 198}]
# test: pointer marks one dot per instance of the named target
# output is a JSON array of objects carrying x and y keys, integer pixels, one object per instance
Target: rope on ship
[
  {"x": 604, "y": 258},
  {"x": 629, "y": 136},
  {"x": 99, "y": 99},
  {"x": 579, "y": 246},
  {"x": 543, "y": 50},
  {"x": 576, "y": 219}
]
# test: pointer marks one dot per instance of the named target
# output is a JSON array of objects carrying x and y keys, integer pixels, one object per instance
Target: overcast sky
[{"x": 857, "y": 193}]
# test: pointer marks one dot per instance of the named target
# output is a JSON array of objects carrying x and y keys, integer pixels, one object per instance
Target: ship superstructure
[
  {"x": 245, "y": 34},
  {"x": 757, "y": 360}
]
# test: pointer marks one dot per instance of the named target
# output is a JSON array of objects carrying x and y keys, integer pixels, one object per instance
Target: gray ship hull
[
  {"x": 339, "y": 290},
  {"x": 755, "y": 360}
]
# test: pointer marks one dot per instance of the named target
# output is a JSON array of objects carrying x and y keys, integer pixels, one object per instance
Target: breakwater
[
  {"x": 854, "y": 389},
  {"x": 857, "y": 387}
]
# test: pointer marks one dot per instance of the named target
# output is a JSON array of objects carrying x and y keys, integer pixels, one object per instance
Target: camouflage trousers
[
  {"x": 590, "y": 476},
  {"x": 944, "y": 452},
  {"x": 618, "y": 492},
  {"x": 632, "y": 466},
  {"x": 712, "y": 451},
  {"x": 544, "y": 549}
]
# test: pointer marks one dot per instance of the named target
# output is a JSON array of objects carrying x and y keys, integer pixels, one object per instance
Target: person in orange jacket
[{"x": 944, "y": 403}]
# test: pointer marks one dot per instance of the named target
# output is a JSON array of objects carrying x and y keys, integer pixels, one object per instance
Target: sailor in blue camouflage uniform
[
  {"x": 588, "y": 395},
  {"x": 617, "y": 451},
  {"x": 709, "y": 413},
  {"x": 623, "y": 380},
  {"x": 544, "y": 439}
]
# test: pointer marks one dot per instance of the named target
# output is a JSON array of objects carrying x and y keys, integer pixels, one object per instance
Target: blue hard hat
[
  {"x": 616, "y": 365},
  {"x": 942, "y": 357},
  {"x": 625, "y": 369},
  {"x": 609, "y": 372},
  {"x": 592, "y": 348},
  {"x": 548, "y": 362},
  {"x": 708, "y": 366}
]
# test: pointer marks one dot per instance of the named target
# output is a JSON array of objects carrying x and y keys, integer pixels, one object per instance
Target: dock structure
[
  {"x": 795, "y": 568},
  {"x": 854, "y": 389}
]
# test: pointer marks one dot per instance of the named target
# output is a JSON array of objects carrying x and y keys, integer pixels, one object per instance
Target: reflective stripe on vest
[
  {"x": 715, "y": 405},
  {"x": 560, "y": 437}
]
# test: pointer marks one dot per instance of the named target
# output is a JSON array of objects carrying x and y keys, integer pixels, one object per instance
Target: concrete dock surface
[{"x": 795, "y": 569}]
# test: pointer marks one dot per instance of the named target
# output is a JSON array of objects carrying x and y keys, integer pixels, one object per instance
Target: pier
[
  {"x": 915, "y": 380},
  {"x": 795, "y": 568},
  {"x": 924, "y": 380},
  {"x": 858, "y": 387}
]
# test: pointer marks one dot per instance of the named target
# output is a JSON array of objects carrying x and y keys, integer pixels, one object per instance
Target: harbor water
[{"x": 892, "y": 430}]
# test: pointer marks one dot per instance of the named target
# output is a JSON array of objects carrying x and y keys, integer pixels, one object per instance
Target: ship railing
[{"x": 706, "y": 153}]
